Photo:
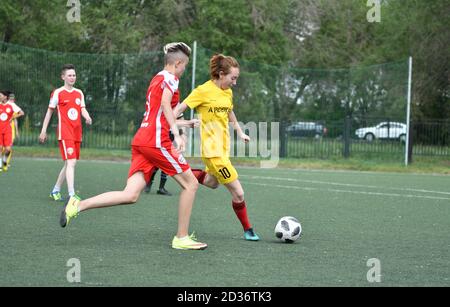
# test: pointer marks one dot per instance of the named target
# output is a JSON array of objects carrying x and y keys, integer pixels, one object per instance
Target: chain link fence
[{"x": 323, "y": 113}]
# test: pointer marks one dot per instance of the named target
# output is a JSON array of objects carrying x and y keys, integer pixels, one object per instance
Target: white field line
[
  {"x": 345, "y": 191},
  {"x": 344, "y": 184},
  {"x": 338, "y": 190}
]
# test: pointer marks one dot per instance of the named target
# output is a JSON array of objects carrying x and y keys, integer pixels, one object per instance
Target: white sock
[
  {"x": 56, "y": 189},
  {"x": 71, "y": 192}
]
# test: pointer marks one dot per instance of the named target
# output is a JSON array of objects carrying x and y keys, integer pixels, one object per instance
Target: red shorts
[
  {"x": 147, "y": 159},
  {"x": 6, "y": 139},
  {"x": 69, "y": 150}
]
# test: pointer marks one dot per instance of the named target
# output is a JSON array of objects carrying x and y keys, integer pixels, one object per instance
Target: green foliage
[{"x": 284, "y": 34}]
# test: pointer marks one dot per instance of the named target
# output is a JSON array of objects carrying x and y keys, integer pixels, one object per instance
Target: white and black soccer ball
[{"x": 288, "y": 229}]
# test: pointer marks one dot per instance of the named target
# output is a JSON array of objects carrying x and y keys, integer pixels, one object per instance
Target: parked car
[
  {"x": 384, "y": 130},
  {"x": 306, "y": 129}
]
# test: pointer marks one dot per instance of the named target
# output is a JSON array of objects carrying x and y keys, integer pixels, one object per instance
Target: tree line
[{"x": 277, "y": 40}]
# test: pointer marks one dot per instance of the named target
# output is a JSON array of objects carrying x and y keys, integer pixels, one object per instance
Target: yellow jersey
[{"x": 213, "y": 106}]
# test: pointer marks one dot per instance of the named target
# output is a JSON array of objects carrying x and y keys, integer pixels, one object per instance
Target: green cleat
[
  {"x": 188, "y": 243},
  {"x": 69, "y": 211},
  {"x": 250, "y": 235},
  {"x": 56, "y": 196}
]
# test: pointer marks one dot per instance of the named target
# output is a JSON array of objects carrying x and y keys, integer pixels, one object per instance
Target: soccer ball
[{"x": 288, "y": 229}]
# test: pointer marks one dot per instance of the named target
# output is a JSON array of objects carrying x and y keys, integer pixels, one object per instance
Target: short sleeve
[
  {"x": 171, "y": 83},
  {"x": 16, "y": 108},
  {"x": 53, "y": 100},
  {"x": 194, "y": 99},
  {"x": 83, "y": 103}
]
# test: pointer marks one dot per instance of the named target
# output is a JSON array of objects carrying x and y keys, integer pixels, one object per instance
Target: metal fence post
[{"x": 347, "y": 129}]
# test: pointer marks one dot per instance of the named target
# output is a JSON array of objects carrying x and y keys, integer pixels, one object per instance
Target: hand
[
  {"x": 180, "y": 143},
  {"x": 245, "y": 138},
  {"x": 43, "y": 137},
  {"x": 194, "y": 123},
  {"x": 89, "y": 121}
]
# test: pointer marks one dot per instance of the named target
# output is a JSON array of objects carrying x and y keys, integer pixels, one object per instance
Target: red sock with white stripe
[{"x": 241, "y": 212}]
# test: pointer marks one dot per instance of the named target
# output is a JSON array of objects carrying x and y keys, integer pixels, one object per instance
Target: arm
[
  {"x": 86, "y": 116},
  {"x": 235, "y": 124},
  {"x": 168, "y": 113},
  {"x": 48, "y": 116},
  {"x": 191, "y": 123},
  {"x": 180, "y": 108},
  {"x": 18, "y": 114},
  {"x": 16, "y": 127}
]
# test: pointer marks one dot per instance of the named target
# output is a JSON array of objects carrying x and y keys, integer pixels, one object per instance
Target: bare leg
[
  {"x": 236, "y": 190},
  {"x": 189, "y": 185},
  {"x": 129, "y": 195},
  {"x": 70, "y": 175},
  {"x": 61, "y": 177}
]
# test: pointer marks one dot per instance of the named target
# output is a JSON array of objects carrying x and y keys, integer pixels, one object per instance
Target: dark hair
[
  {"x": 172, "y": 51},
  {"x": 66, "y": 67},
  {"x": 6, "y": 93},
  {"x": 221, "y": 63}
]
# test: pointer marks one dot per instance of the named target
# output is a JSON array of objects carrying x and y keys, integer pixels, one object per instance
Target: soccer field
[{"x": 403, "y": 220}]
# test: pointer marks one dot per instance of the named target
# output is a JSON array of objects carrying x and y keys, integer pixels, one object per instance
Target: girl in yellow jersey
[{"x": 213, "y": 102}]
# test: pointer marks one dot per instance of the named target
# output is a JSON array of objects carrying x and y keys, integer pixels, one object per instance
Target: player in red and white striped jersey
[
  {"x": 152, "y": 148},
  {"x": 70, "y": 105}
]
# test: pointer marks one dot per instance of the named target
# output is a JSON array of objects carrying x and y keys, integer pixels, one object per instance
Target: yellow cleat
[
  {"x": 56, "y": 196},
  {"x": 188, "y": 243},
  {"x": 69, "y": 211}
]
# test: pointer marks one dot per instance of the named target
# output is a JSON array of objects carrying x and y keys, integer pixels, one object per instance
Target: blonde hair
[
  {"x": 174, "y": 51},
  {"x": 221, "y": 63}
]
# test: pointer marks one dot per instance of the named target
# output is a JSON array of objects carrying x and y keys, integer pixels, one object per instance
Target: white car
[{"x": 384, "y": 130}]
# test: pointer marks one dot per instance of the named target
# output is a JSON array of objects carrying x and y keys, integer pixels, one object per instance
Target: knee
[
  {"x": 214, "y": 185},
  {"x": 133, "y": 197},
  {"x": 239, "y": 196},
  {"x": 192, "y": 185}
]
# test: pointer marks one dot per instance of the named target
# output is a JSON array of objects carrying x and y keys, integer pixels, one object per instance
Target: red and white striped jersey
[
  {"x": 154, "y": 130},
  {"x": 69, "y": 105}
]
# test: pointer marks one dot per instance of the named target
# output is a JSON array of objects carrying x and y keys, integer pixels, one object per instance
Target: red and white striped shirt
[{"x": 154, "y": 130}]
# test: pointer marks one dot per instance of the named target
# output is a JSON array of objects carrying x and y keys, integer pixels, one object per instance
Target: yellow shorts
[{"x": 221, "y": 168}]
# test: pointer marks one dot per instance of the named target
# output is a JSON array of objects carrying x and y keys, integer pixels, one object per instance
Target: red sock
[
  {"x": 199, "y": 174},
  {"x": 241, "y": 212}
]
